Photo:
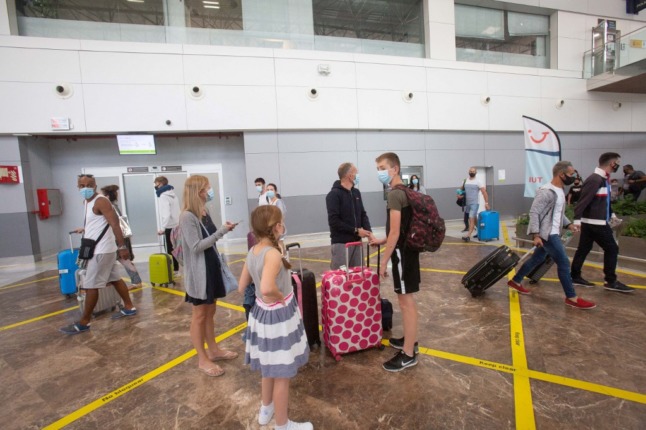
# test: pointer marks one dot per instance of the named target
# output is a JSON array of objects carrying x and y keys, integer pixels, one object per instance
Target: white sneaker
[
  {"x": 291, "y": 425},
  {"x": 266, "y": 413}
]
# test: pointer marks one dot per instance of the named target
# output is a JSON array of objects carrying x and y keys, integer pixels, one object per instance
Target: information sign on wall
[{"x": 9, "y": 175}]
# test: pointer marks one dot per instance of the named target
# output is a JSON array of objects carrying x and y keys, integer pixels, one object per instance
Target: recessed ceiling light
[
  {"x": 211, "y": 2},
  {"x": 206, "y": 6},
  {"x": 136, "y": 1}
]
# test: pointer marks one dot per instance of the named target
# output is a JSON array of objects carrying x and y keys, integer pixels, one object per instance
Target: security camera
[
  {"x": 312, "y": 93},
  {"x": 560, "y": 103},
  {"x": 407, "y": 96},
  {"x": 168, "y": 122},
  {"x": 63, "y": 90},
  {"x": 196, "y": 91},
  {"x": 485, "y": 100}
]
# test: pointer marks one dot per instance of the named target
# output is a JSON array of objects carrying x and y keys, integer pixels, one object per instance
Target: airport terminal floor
[{"x": 500, "y": 361}]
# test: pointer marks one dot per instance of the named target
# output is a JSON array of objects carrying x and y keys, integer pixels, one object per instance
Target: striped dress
[{"x": 276, "y": 341}]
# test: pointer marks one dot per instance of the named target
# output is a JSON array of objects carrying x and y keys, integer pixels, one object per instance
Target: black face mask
[
  {"x": 568, "y": 180},
  {"x": 615, "y": 167},
  {"x": 472, "y": 175}
]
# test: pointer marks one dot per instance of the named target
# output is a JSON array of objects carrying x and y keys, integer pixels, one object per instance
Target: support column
[
  {"x": 439, "y": 29},
  {"x": 8, "y": 20}
]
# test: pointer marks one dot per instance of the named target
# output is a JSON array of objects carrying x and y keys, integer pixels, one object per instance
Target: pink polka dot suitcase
[{"x": 351, "y": 309}]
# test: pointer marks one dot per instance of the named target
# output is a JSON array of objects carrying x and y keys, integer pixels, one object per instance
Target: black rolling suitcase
[
  {"x": 490, "y": 270},
  {"x": 304, "y": 283}
]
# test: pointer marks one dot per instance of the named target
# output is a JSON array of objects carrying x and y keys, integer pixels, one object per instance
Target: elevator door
[{"x": 141, "y": 203}]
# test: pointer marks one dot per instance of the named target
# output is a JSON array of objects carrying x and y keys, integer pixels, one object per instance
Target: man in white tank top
[{"x": 102, "y": 269}]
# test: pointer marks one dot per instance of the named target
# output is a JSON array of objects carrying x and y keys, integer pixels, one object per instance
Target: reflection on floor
[{"x": 500, "y": 361}]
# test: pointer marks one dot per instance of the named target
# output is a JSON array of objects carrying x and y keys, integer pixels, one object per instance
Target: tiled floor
[{"x": 500, "y": 361}]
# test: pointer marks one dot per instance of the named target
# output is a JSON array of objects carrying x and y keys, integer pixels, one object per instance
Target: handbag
[
  {"x": 230, "y": 281},
  {"x": 125, "y": 228},
  {"x": 86, "y": 251}
]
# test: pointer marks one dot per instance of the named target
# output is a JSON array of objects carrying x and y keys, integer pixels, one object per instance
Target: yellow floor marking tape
[
  {"x": 42, "y": 317},
  {"x": 35, "y": 281},
  {"x": 79, "y": 413},
  {"x": 456, "y": 272},
  {"x": 589, "y": 386},
  {"x": 523, "y": 405}
]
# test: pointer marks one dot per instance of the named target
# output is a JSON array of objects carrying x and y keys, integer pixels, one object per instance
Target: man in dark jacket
[
  {"x": 346, "y": 216},
  {"x": 594, "y": 214}
]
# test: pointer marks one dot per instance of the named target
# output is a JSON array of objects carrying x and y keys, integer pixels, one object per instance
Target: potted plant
[
  {"x": 632, "y": 240},
  {"x": 521, "y": 230}
]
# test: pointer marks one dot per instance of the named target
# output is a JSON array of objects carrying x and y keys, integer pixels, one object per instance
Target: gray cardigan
[
  {"x": 542, "y": 213},
  {"x": 193, "y": 247}
]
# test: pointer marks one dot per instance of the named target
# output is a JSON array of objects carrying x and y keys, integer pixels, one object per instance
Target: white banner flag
[{"x": 542, "y": 152}]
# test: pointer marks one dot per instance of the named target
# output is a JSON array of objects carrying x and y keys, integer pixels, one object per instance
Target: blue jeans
[{"x": 555, "y": 249}]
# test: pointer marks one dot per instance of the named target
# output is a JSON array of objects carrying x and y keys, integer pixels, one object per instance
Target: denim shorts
[{"x": 473, "y": 210}]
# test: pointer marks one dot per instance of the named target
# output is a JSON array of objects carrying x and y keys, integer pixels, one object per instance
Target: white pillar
[
  {"x": 8, "y": 20},
  {"x": 439, "y": 29}
]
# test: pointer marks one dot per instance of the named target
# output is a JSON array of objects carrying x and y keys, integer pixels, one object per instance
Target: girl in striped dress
[{"x": 276, "y": 343}]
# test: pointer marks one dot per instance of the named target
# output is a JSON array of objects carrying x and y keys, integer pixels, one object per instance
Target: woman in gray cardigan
[{"x": 202, "y": 272}]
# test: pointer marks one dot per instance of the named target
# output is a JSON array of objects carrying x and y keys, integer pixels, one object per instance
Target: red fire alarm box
[
  {"x": 49, "y": 202},
  {"x": 9, "y": 175}
]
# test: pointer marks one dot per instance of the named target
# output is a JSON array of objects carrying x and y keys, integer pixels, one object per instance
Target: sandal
[
  {"x": 228, "y": 355},
  {"x": 212, "y": 371}
]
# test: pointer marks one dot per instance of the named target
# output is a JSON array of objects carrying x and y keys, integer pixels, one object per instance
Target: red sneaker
[
  {"x": 580, "y": 303},
  {"x": 518, "y": 287}
]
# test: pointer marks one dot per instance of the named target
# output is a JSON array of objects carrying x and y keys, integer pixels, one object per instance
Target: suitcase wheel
[
  {"x": 477, "y": 293},
  {"x": 381, "y": 347}
]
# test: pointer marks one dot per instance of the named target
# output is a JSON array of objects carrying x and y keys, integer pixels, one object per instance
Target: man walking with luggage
[
  {"x": 472, "y": 188},
  {"x": 101, "y": 221},
  {"x": 168, "y": 213},
  {"x": 346, "y": 216},
  {"x": 594, "y": 214},
  {"x": 546, "y": 219},
  {"x": 405, "y": 262}
]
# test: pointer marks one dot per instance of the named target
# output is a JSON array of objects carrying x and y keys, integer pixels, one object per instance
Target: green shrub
[
  {"x": 523, "y": 219},
  {"x": 635, "y": 228},
  {"x": 569, "y": 212},
  {"x": 628, "y": 206}
]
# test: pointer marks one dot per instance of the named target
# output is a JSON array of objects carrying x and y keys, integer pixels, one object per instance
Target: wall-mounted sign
[
  {"x": 136, "y": 144},
  {"x": 634, "y": 6},
  {"x": 60, "y": 123},
  {"x": 9, "y": 175},
  {"x": 143, "y": 169},
  {"x": 636, "y": 43}
]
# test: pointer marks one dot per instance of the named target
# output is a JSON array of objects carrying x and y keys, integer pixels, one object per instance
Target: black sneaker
[
  {"x": 398, "y": 343},
  {"x": 466, "y": 238},
  {"x": 399, "y": 362},
  {"x": 580, "y": 282},
  {"x": 619, "y": 287}
]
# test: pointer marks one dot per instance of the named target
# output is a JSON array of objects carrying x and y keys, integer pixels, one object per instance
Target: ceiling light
[
  {"x": 211, "y": 2},
  {"x": 206, "y": 6},
  {"x": 136, "y": 1}
]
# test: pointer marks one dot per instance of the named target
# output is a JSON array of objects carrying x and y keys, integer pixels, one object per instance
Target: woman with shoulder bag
[
  {"x": 112, "y": 193},
  {"x": 203, "y": 277}
]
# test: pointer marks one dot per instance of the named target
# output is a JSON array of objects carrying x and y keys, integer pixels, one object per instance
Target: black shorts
[{"x": 406, "y": 275}]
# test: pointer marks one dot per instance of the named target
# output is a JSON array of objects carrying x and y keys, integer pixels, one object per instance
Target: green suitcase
[{"x": 161, "y": 269}]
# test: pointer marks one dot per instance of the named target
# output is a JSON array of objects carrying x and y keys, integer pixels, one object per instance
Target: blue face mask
[
  {"x": 86, "y": 193},
  {"x": 383, "y": 176},
  {"x": 271, "y": 194},
  {"x": 356, "y": 180},
  {"x": 259, "y": 188},
  {"x": 210, "y": 195},
  {"x": 415, "y": 181}
]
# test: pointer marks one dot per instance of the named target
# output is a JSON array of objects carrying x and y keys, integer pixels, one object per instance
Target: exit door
[{"x": 139, "y": 202}]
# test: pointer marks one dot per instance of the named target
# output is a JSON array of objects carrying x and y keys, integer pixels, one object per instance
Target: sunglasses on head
[{"x": 86, "y": 175}]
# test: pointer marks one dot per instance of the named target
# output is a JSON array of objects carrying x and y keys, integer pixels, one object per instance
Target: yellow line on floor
[
  {"x": 589, "y": 386},
  {"x": 79, "y": 413},
  {"x": 35, "y": 281},
  {"x": 542, "y": 376},
  {"x": 522, "y": 390},
  {"x": 456, "y": 272},
  {"x": 42, "y": 317},
  {"x": 182, "y": 294}
]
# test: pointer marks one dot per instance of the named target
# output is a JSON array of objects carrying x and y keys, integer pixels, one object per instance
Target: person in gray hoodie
[
  {"x": 168, "y": 213},
  {"x": 546, "y": 219}
]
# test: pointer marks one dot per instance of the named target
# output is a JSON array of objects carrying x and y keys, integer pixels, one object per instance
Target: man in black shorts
[{"x": 405, "y": 262}]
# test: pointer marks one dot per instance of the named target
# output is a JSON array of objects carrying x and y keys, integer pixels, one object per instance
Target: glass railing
[
  {"x": 309, "y": 25},
  {"x": 628, "y": 49}
]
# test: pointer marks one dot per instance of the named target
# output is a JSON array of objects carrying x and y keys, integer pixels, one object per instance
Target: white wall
[{"x": 122, "y": 87}]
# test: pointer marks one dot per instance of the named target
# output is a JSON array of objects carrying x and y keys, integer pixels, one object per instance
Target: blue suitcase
[
  {"x": 67, "y": 268},
  {"x": 488, "y": 226}
]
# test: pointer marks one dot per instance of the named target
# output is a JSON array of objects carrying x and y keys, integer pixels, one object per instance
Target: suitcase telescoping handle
[
  {"x": 347, "y": 255},
  {"x": 300, "y": 262},
  {"x": 70, "y": 235},
  {"x": 526, "y": 257},
  {"x": 378, "y": 257}
]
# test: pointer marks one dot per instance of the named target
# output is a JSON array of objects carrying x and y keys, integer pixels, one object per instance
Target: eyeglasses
[{"x": 86, "y": 175}]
